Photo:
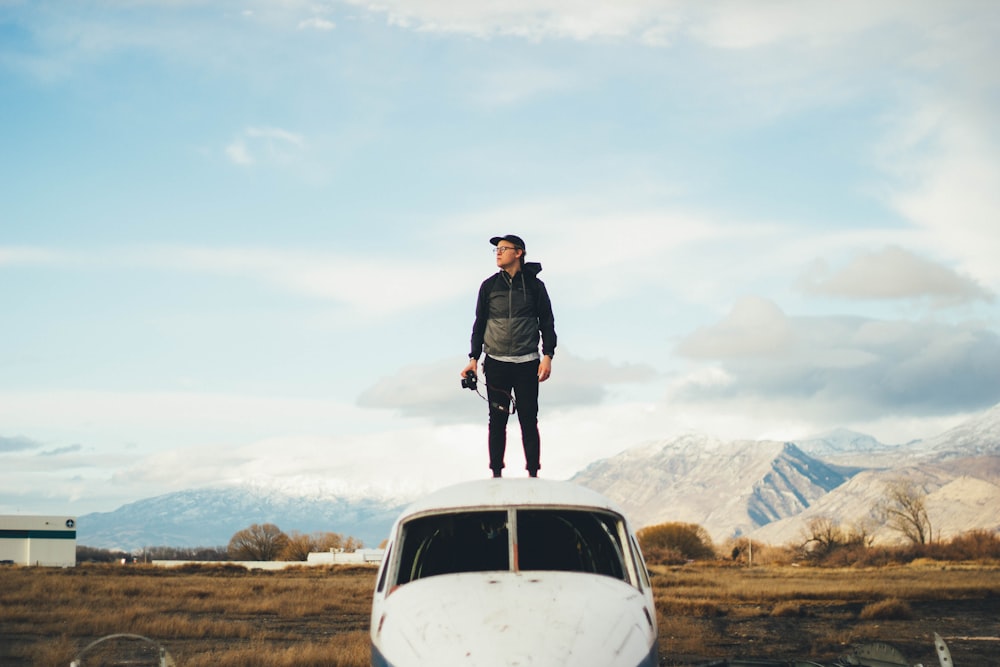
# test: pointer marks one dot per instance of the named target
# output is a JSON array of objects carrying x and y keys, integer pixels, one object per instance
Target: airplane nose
[{"x": 501, "y": 619}]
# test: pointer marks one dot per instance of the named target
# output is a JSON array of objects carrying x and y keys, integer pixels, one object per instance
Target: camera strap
[{"x": 511, "y": 401}]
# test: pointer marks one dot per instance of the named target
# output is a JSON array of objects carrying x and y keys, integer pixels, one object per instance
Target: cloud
[
  {"x": 631, "y": 249},
  {"x": 17, "y": 443},
  {"x": 275, "y": 134},
  {"x": 941, "y": 144},
  {"x": 148, "y": 441},
  {"x": 271, "y": 145},
  {"x": 391, "y": 462},
  {"x": 168, "y": 419},
  {"x": 317, "y": 23},
  {"x": 836, "y": 367},
  {"x": 648, "y": 20},
  {"x": 71, "y": 449},
  {"x": 950, "y": 187},
  {"x": 755, "y": 327},
  {"x": 430, "y": 391},
  {"x": 895, "y": 273},
  {"x": 728, "y": 24},
  {"x": 20, "y": 255},
  {"x": 434, "y": 391},
  {"x": 239, "y": 154},
  {"x": 517, "y": 83},
  {"x": 739, "y": 26},
  {"x": 372, "y": 286},
  {"x": 585, "y": 382}
]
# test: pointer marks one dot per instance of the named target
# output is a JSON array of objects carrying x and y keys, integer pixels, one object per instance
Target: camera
[{"x": 469, "y": 381}]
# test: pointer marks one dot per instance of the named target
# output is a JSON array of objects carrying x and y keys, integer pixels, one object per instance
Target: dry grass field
[
  {"x": 822, "y": 613},
  {"x": 224, "y": 616}
]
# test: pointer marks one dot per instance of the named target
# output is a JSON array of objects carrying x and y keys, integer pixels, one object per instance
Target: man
[{"x": 512, "y": 312}]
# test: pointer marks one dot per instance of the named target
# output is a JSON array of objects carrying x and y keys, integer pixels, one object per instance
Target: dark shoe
[
  {"x": 532, "y": 473},
  {"x": 496, "y": 473}
]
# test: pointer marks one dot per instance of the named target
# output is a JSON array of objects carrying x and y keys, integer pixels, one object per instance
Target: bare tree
[
  {"x": 328, "y": 541},
  {"x": 258, "y": 542},
  {"x": 297, "y": 547},
  {"x": 904, "y": 510},
  {"x": 300, "y": 545},
  {"x": 823, "y": 535},
  {"x": 861, "y": 532}
]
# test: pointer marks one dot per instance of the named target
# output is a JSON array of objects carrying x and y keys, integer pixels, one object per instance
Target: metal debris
[
  {"x": 874, "y": 654},
  {"x": 123, "y": 649}
]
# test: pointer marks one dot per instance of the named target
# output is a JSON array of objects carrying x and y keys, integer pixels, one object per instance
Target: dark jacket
[{"x": 511, "y": 314}]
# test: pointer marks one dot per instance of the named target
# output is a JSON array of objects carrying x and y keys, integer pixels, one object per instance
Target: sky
[{"x": 240, "y": 242}]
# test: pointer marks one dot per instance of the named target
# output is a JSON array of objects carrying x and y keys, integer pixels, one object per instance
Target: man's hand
[
  {"x": 471, "y": 366},
  {"x": 544, "y": 368}
]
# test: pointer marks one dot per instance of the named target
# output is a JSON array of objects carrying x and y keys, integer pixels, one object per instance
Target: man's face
[{"x": 507, "y": 255}]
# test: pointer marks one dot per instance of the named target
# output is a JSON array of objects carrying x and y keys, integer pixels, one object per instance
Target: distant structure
[
  {"x": 341, "y": 557},
  {"x": 38, "y": 540},
  {"x": 331, "y": 557}
]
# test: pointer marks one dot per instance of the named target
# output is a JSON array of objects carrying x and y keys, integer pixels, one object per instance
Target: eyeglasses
[{"x": 501, "y": 249}]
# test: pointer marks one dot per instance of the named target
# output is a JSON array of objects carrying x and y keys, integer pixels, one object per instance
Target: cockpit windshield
[
  {"x": 451, "y": 543},
  {"x": 569, "y": 540}
]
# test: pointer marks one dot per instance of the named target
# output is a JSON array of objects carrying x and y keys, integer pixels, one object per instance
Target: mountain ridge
[
  {"x": 767, "y": 489},
  {"x": 681, "y": 477},
  {"x": 211, "y": 516}
]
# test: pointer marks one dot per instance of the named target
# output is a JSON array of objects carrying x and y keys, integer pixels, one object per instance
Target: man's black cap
[{"x": 517, "y": 241}]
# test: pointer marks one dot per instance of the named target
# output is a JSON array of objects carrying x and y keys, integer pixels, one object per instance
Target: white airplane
[{"x": 513, "y": 573}]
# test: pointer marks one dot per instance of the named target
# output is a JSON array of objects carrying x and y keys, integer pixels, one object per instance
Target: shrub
[
  {"x": 788, "y": 609},
  {"x": 664, "y": 556},
  {"x": 891, "y": 609},
  {"x": 882, "y": 556},
  {"x": 689, "y": 540},
  {"x": 972, "y": 545}
]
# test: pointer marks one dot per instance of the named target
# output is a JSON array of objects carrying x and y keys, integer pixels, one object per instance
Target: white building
[
  {"x": 331, "y": 557},
  {"x": 38, "y": 540},
  {"x": 339, "y": 557}
]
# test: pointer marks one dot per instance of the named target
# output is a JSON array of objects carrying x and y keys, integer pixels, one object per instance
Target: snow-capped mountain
[
  {"x": 767, "y": 489},
  {"x": 846, "y": 447},
  {"x": 209, "y": 517},
  {"x": 749, "y": 487},
  {"x": 955, "y": 504},
  {"x": 978, "y": 436},
  {"x": 959, "y": 470},
  {"x": 728, "y": 487}
]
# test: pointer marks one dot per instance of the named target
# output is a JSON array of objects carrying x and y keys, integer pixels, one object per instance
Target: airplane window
[
  {"x": 569, "y": 540},
  {"x": 385, "y": 569},
  {"x": 640, "y": 565},
  {"x": 450, "y": 543}
]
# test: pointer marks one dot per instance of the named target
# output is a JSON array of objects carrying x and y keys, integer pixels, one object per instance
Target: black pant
[{"x": 502, "y": 380}]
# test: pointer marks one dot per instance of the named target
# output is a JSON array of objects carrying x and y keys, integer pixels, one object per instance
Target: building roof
[{"x": 500, "y": 493}]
